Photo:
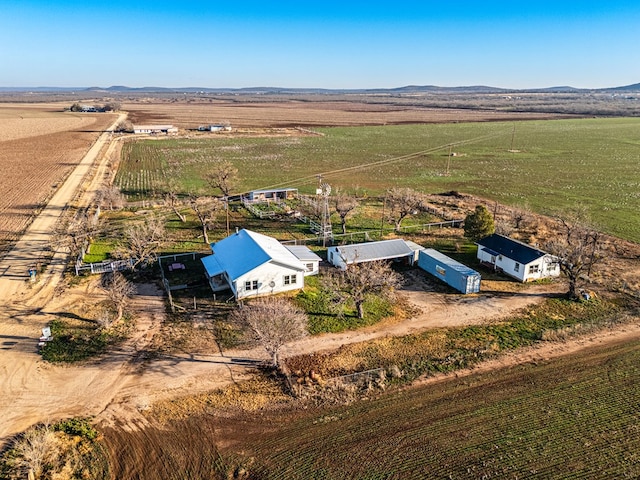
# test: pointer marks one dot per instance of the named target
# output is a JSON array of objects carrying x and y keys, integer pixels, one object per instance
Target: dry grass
[
  {"x": 296, "y": 113},
  {"x": 249, "y": 396}
]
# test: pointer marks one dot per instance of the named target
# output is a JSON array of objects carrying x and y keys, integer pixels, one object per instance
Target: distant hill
[{"x": 406, "y": 90}]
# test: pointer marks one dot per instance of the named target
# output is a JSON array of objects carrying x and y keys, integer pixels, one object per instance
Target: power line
[{"x": 312, "y": 178}]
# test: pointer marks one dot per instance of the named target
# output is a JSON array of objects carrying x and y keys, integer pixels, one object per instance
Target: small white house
[
  {"x": 252, "y": 264},
  {"x": 396, "y": 249},
  {"x": 516, "y": 259}
]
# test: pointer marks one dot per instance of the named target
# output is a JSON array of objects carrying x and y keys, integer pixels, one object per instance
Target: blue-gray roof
[
  {"x": 449, "y": 262},
  {"x": 513, "y": 249}
]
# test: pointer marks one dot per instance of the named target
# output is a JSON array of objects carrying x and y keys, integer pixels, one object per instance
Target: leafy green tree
[{"x": 479, "y": 224}]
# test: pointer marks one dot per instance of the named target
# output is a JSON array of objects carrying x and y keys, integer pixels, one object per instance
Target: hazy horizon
[{"x": 329, "y": 45}]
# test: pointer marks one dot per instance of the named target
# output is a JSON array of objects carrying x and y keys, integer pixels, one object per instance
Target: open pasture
[
  {"x": 543, "y": 165},
  {"x": 565, "y": 418},
  {"x": 293, "y": 113},
  {"x": 39, "y": 147}
]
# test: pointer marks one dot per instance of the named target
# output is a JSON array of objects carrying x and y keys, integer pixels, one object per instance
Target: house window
[
  {"x": 309, "y": 267},
  {"x": 500, "y": 257},
  {"x": 516, "y": 267},
  {"x": 251, "y": 285},
  {"x": 290, "y": 279},
  {"x": 534, "y": 268}
]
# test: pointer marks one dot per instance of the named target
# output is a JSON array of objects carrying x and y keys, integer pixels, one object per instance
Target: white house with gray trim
[{"x": 516, "y": 259}]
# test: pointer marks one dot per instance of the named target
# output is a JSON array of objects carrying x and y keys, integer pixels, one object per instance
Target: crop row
[{"x": 547, "y": 164}]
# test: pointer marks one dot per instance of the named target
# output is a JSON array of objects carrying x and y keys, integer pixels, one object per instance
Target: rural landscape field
[
  {"x": 516, "y": 381},
  {"x": 39, "y": 146}
]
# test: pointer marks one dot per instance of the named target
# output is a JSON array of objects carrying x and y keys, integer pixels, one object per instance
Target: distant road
[{"x": 14, "y": 267}]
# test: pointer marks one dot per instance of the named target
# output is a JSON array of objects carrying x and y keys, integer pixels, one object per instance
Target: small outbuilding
[
  {"x": 450, "y": 271},
  {"x": 270, "y": 195},
  {"x": 396, "y": 249},
  {"x": 516, "y": 259}
]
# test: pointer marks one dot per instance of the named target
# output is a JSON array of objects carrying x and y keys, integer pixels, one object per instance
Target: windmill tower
[{"x": 323, "y": 192}]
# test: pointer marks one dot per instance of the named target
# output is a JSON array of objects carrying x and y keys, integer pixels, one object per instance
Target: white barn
[
  {"x": 396, "y": 249},
  {"x": 252, "y": 264},
  {"x": 154, "y": 129},
  {"x": 516, "y": 259}
]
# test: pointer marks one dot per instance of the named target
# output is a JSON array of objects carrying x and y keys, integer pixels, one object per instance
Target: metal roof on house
[
  {"x": 302, "y": 253},
  {"x": 212, "y": 266},
  {"x": 510, "y": 248},
  {"x": 382, "y": 250},
  {"x": 246, "y": 250}
]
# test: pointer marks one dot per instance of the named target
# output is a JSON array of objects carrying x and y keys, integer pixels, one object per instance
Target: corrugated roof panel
[
  {"x": 245, "y": 250},
  {"x": 382, "y": 250}
]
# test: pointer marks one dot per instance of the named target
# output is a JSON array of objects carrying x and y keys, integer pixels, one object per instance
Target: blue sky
[{"x": 327, "y": 44}]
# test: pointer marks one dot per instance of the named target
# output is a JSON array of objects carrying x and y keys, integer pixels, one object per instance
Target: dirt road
[{"x": 14, "y": 269}]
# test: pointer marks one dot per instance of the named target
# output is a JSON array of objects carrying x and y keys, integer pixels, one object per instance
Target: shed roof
[
  {"x": 245, "y": 250},
  {"x": 302, "y": 253},
  {"x": 449, "y": 262},
  {"x": 382, "y": 250},
  {"x": 510, "y": 248}
]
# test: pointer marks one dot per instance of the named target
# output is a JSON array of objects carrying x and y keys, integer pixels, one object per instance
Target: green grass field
[
  {"x": 558, "y": 164},
  {"x": 573, "y": 417}
]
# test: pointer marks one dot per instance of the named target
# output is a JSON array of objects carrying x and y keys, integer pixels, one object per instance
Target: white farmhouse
[
  {"x": 516, "y": 259},
  {"x": 396, "y": 249},
  {"x": 252, "y": 264}
]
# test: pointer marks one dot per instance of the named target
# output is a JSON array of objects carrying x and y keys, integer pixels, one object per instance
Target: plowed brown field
[
  {"x": 292, "y": 113},
  {"x": 39, "y": 146}
]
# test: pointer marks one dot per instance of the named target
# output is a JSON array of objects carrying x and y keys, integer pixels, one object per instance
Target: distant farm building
[
  {"x": 155, "y": 129},
  {"x": 88, "y": 108},
  {"x": 270, "y": 195},
  {"x": 252, "y": 264},
  {"x": 516, "y": 259},
  {"x": 215, "y": 127},
  {"x": 396, "y": 249},
  {"x": 450, "y": 271}
]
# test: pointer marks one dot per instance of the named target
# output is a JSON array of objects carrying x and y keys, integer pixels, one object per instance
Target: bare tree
[
  {"x": 142, "y": 241},
  {"x": 38, "y": 447},
  {"x": 403, "y": 202},
  {"x": 119, "y": 292},
  {"x": 577, "y": 249},
  {"x": 206, "y": 209},
  {"x": 172, "y": 200},
  {"x": 359, "y": 281},
  {"x": 111, "y": 196},
  {"x": 223, "y": 176},
  {"x": 272, "y": 322},
  {"x": 74, "y": 235},
  {"x": 344, "y": 205}
]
